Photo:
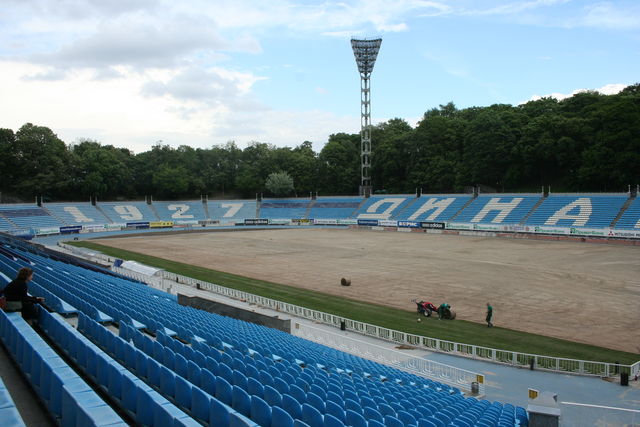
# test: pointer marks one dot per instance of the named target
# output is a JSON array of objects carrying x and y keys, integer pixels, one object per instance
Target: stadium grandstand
[
  {"x": 604, "y": 215},
  {"x": 110, "y": 350}
]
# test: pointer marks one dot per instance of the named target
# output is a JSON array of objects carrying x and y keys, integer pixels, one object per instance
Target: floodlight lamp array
[{"x": 366, "y": 52}]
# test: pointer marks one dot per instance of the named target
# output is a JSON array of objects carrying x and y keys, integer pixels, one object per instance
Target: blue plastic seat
[
  {"x": 224, "y": 391},
  {"x": 280, "y": 385},
  {"x": 240, "y": 380},
  {"x": 331, "y": 421},
  {"x": 260, "y": 411},
  {"x": 352, "y": 405},
  {"x": 194, "y": 373},
  {"x": 316, "y": 401},
  {"x": 129, "y": 392},
  {"x": 181, "y": 368},
  {"x": 254, "y": 387},
  {"x": 354, "y": 419},
  {"x": 312, "y": 416},
  {"x": 219, "y": 413},
  {"x": 200, "y": 402},
  {"x": 424, "y": 422},
  {"x": 407, "y": 418},
  {"x": 272, "y": 396},
  {"x": 391, "y": 421},
  {"x": 281, "y": 418},
  {"x": 372, "y": 414},
  {"x": 183, "y": 392},
  {"x": 208, "y": 382},
  {"x": 238, "y": 420},
  {"x": 336, "y": 410},
  {"x": 266, "y": 379},
  {"x": 225, "y": 372},
  {"x": 241, "y": 401},
  {"x": 299, "y": 394},
  {"x": 167, "y": 382},
  {"x": 212, "y": 365},
  {"x": 115, "y": 380},
  {"x": 153, "y": 372},
  {"x": 292, "y": 406},
  {"x": 386, "y": 409}
]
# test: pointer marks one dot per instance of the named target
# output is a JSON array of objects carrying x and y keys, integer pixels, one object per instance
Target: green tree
[
  {"x": 279, "y": 184},
  {"x": 40, "y": 163},
  {"x": 339, "y": 168},
  {"x": 170, "y": 182},
  {"x": 103, "y": 171},
  {"x": 7, "y": 143}
]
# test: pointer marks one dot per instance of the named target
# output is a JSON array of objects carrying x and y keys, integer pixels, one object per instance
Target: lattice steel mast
[{"x": 366, "y": 52}]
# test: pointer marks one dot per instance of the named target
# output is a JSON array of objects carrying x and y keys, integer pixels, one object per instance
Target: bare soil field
[{"x": 582, "y": 292}]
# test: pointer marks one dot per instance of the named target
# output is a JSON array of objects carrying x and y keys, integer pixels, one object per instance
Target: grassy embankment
[{"x": 392, "y": 318}]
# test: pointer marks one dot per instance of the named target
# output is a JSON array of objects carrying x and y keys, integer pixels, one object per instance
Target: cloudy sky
[{"x": 203, "y": 72}]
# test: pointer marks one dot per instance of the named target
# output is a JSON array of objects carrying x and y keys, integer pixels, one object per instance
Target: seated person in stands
[{"x": 17, "y": 297}]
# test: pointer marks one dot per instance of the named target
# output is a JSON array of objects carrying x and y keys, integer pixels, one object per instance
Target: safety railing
[
  {"x": 582, "y": 414},
  {"x": 441, "y": 372}
]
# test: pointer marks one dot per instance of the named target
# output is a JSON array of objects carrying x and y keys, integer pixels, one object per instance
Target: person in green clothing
[
  {"x": 489, "y": 315},
  {"x": 442, "y": 308}
]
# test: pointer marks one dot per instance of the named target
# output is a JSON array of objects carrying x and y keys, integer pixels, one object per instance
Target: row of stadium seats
[
  {"x": 210, "y": 369},
  {"x": 8, "y": 411},
  {"x": 67, "y": 397},
  {"x": 589, "y": 211}
]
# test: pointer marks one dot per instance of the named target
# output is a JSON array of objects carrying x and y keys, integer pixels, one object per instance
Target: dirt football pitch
[{"x": 578, "y": 291}]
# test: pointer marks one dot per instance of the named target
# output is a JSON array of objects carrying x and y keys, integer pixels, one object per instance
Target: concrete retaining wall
[{"x": 235, "y": 312}]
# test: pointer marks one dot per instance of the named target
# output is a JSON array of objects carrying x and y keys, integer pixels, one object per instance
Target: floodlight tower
[{"x": 366, "y": 52}]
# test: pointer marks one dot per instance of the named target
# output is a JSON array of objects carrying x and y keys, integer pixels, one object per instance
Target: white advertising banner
[{"x": 325, "y": 221}]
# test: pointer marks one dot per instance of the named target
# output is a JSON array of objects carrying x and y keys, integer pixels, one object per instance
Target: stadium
[
  {"x": 122, "y": 345},
  {"x": 431, "y": 277}
]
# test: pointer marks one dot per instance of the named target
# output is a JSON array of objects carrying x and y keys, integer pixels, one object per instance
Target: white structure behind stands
[{"x": 142, "y": 269}]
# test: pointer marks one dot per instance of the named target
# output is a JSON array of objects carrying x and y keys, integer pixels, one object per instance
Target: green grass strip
[{"x": 392, "y": 318}]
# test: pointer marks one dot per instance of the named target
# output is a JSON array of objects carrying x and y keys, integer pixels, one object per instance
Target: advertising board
[
  {"x": 70, "y": 229},
  {"x": 325, "y": 221},
  {"x": 161, "y": 224},
  {"x": 432, "y": 225},
  {"x": 256, "y": 221},
  {"x": 409, "y": 224},
  {"x": 138, "y": 225},
  {"x": 368, "y": 222}
]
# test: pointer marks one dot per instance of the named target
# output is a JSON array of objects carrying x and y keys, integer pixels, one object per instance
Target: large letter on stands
[
  {"x": 128, "y": 212},
  {"x": 372, "y": 213},
  {"x": 182, "y": 209},
  {"x": 494, "y": 204},
  {"x": 584, "y": 213},
  {"x": 76, "y": 214},
  {"x": 233, "y": 209},
  {"x": 432, "y": 204}
]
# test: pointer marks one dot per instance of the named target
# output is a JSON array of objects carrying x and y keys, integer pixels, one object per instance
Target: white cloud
[
  {"x": 610, "y": 89},
  {"x": 113, "y": 112},
  {"x": 610, "y": 16},
  {"x": 513, "y": 8}
]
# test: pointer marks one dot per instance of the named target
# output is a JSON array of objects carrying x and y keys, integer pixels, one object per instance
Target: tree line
[{"x": 588, "y": 142}]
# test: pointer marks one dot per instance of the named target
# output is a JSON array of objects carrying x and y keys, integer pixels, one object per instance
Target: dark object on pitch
[
  {"x": 345, "y": 282},
  {"x": 624, "y": 378}
]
